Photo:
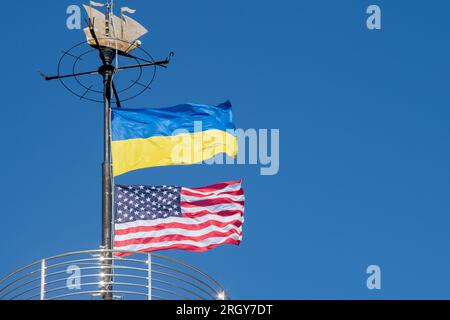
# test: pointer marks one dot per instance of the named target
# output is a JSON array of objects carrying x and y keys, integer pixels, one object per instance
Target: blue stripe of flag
[{"x": 145, "y": 123}]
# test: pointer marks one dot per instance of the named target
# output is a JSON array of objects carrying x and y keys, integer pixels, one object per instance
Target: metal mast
[{"x": 107, "y": 70}]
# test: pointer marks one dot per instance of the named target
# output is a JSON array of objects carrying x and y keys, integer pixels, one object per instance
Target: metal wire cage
[{"x": 138, "y": 276}]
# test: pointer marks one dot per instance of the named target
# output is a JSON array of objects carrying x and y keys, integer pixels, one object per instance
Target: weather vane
[{"x": 111, "y": 37}]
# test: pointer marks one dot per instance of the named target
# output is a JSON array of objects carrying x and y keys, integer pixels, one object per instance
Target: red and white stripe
[{"x": 211, "y": 216}]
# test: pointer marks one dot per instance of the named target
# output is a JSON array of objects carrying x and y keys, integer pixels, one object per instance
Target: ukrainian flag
[{"x": 180, "y": 135}]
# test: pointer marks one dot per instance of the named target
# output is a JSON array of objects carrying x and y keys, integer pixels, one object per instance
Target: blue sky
[{"x": 364, "y": 124}]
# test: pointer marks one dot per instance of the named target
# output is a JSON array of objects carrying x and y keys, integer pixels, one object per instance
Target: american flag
[{"x": 150, "y": 218}]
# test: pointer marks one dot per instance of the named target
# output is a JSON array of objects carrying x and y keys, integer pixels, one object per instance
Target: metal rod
[
  {"x": 149, "y": 276},
  {"x": 42, "y": 293},
  {"x": 71, "y": 75},
  {"x": 161, "y": 63},
  {"x": 116, "y": 95},
  {"x": 107, "y": 18},
  {"x": 107, "y": 71},
  {"x": 156, "y": 63},
  {"x": 94, "y": 36}
]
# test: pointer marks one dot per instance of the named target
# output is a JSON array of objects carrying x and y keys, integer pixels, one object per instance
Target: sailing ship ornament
[
  {"x": 119, "y": 33},
  {"x": 109, "y": 36}
]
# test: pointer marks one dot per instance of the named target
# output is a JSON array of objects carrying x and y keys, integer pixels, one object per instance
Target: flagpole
[{"x": 107, "y": 71}]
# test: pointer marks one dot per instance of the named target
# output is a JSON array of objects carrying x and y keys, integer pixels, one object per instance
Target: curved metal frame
[
  {"x": 132, "y": 277},
  {"x": 134, "y": 82}
]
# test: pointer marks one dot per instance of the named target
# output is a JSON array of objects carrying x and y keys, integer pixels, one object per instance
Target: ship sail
[
  {"x": 98, "y": 19},
  {"x": 126, "y": 31},
  {"x": 133, "y": 30}
]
